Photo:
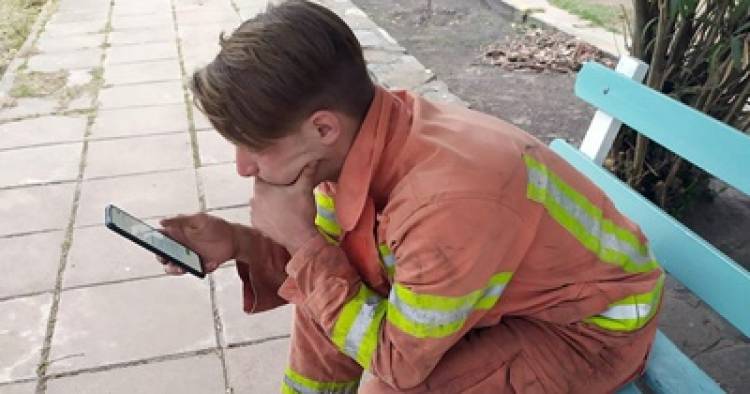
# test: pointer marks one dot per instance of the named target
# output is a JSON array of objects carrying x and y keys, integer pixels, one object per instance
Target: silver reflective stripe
[
  {"x": 494, "y": 291},
  {"x": 627, "y": 312},
  {"x": 299, "y": 388},
  {"x": 435, "y": 317},
  {"x": 592, "y": 225},
  {"x": 306, "y": 390},
  {"x": 359, "y": 327},
  {"x": 389, "y": 260},
  {"x": 326, "y": 213}
]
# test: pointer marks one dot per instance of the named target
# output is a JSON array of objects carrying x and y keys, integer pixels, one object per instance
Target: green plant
[
  {"x": 16, "y": 18},
  {"x": 699, "y": 54}
]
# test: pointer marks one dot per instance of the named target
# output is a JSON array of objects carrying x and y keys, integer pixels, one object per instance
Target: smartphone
[{"x": 152, "y": 239}]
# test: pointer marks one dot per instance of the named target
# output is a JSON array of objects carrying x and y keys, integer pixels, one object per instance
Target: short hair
[{"x": 278, "y": 68}]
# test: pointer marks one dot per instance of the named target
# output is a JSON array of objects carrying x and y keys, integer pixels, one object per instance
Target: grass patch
[
  {"x": 16, "y": 18},
  {"x": 38, "y": 84},
  {"x": 609, "y": 17},
  {"x": 70, "y": 93}
]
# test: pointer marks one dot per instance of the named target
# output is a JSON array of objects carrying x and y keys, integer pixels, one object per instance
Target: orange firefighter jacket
[{"x": 445, "y": 221}]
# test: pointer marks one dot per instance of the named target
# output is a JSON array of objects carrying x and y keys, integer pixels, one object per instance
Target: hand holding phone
[{"x": 154, "y": 240}]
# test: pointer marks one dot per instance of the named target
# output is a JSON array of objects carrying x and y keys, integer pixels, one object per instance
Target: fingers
[{"x": 173, "y": 269}]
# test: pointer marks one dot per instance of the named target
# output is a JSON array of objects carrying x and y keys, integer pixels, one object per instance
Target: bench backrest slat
[
  {"x": 711, "y": 275},
  {"x": 712, "y": 145}
]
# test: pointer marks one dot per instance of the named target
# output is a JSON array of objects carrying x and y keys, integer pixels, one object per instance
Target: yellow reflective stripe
[
  {"x": 330, "y": 227},
  {"x": 585, "y": 221},
  {"x": 323, "y": 200},
  {"x": 294, "y": 383},
  {"x": 389, "y": 259},
  {"x": 357, "y": 327},
  {"x": 433, "y": 316},
  {"x": 632, "y": 312},
  {"x": 330, "y": 239},
  {"x": 325, "y": 219}
]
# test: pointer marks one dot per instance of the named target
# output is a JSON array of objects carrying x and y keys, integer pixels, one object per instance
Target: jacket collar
[{"x": 385, "y": 124}]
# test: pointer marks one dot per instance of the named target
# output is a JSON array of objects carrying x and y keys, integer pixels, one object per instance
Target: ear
[{"x": 326, "y": 125}]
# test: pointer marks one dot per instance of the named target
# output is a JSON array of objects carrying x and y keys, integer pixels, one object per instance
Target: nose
[{"x": 247, "y": 164}]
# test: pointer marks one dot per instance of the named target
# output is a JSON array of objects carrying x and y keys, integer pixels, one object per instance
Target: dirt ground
[{"x": 449, "y": 41}]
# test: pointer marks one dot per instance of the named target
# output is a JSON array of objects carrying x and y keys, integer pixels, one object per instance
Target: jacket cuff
[{"x": 320, "y": 279}]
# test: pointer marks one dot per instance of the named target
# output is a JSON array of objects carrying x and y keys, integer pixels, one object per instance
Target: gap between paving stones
[
  {"x": 52, "y": 317},
  {"x": 157, "y": 359},
  {"x": 218, "y": 326}
]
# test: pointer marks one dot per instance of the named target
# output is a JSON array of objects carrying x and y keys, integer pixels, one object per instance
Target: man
[{"x": 438, "y": 248}]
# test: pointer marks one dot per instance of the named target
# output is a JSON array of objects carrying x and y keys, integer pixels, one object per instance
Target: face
[{"x": 320, "y": 138}]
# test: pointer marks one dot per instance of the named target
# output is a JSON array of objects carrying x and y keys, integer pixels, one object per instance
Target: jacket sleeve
[
  {"x": 260, "y": 265},
  {"x": 453, "y": 260}
]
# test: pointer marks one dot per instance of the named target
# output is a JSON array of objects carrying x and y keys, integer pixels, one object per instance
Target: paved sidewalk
[{"x": 102, "y": 115}]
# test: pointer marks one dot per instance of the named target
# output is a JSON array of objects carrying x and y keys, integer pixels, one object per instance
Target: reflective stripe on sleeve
[
  {"x": 294, "y": 383},
  {"x": 389, "y": 259},
  {"x": 632, "y": 312},
  {"x": 357, "y": 327},
  {"x": 433, "y": 316},
  {"x": 325, "y": 219}
]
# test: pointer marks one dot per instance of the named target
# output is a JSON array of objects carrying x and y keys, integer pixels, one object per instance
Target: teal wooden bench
[{"x": 714, "y": 146}]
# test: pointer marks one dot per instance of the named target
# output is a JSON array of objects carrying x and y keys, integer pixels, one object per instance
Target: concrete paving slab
[
  {"x": 238, "y": 326},
  {"x": 258, "y": 368},
  {"x": 28, "y": 106},
  {"x": 50, "y": 43},
  {"x": 202, "y": 16},
  {"x": 79, "y": 15},
  {"x": 138, "y": 155},
  {"x": 99, "y": 255},
  {"x": 151, "y": 71},
  {"x": 35, "y": 208},
  {"x": 200, "y": 120},
  {"x": 49, "y": 62},
  {"x": 42, "y": 130},
  {"x": 206, "y": 33},
  {"x": 205, "y": 51},
  {"x": 251, "y": 11},
  {"x": 199, "y": 374},
  {"x": 129, "y": 22},
  {"x": 139, "y": 7},
  {"x": 20, "y": 388},
  {"x": 84, "y": 102},
  {"x": 23, "y": 323},
  {"x": 74, "y": 5},
  {"x": 31, "y": 261},
  {"x": 405, "y": 73},
  {"x": 137, "y": 121},
  {"x": 193, "y": 64},
  {"x": 145, "y": 196},
  {"x": 63, "y": 29},
  {"x": 122, "y": 9},
  {"x": 41, "y": 164},
  {"x": 124, "y": 37},
  {"x": 142, "y": 95},
  {"x": 223, "y": 187},
  {"x": 130, "y": 321},
  {"x": 140, "y": 52},
  {"x": 214, "y": 149}
]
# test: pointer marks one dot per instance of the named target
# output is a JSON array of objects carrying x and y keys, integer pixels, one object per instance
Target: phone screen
[{"x": 149, "y": 235}]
